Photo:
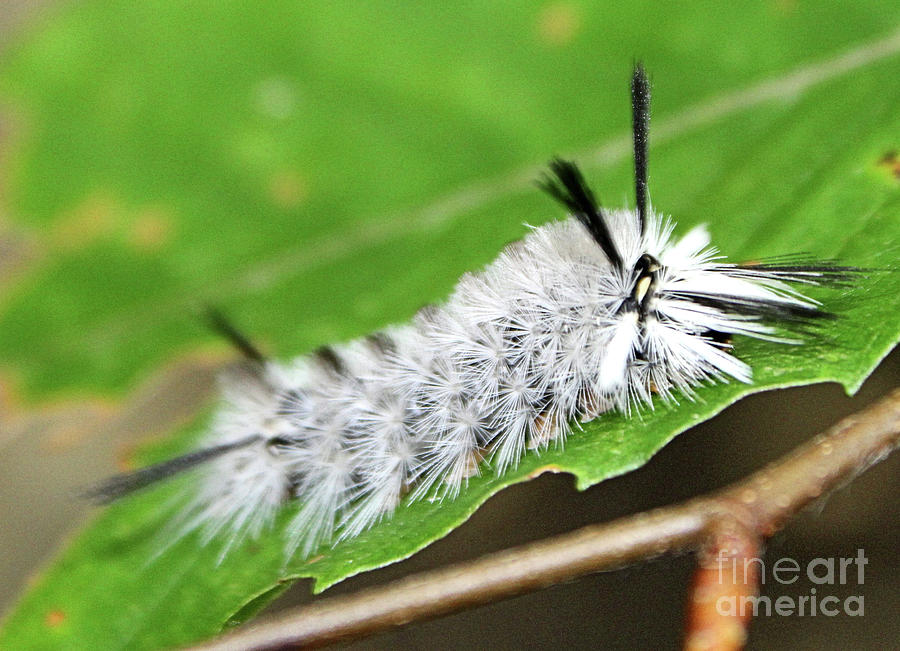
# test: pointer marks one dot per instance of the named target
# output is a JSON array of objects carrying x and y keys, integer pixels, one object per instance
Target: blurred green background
[{"x": 320, "y": 169}]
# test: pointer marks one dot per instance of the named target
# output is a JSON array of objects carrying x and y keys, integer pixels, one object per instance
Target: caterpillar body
[{"x": 602, "y": 310}]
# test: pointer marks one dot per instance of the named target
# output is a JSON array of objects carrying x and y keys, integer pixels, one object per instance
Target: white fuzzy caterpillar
[{"x": 600, "y": 311}]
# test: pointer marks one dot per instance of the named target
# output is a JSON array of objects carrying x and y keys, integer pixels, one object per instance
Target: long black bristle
[
  {"x": 640, "y": 126},
  {"x": 779, "y": 312},
  {"x": 824, "y": 268},
  {"x": 822, "y": 273},
  {"x": 126, "y": 483},
  {"x": 567, "y": 185},
  {"x": 222, "y": 326}
]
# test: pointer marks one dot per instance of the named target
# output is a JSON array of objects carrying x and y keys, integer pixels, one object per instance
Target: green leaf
[{"x": 322, "y": 170}]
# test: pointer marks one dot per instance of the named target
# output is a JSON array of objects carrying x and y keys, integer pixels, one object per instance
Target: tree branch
[
  {"x": 728, "y": 545},
  {"x": 760, "y": 505}
]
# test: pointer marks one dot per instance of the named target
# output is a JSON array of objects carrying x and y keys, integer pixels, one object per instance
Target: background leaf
[{"x": 322, "y": 170}]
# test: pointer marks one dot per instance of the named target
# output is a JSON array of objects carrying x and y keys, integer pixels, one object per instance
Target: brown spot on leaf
[
  {"x": 559, "y": 23},
  {"x": 54, "y": 618},
  {"x": 152, "y": 228},
  {"x": 891, "y": 162},
  {"x": 92, "y": 219},
  {"x": 288, "y": 189}
]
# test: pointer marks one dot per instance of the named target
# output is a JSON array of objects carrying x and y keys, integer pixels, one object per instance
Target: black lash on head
[
  {"x": 821, "y": 272},
  {"x": 777, "y": 312},
  {"x": 566, "y": 184},
  {"x": 640, "y": 127}
]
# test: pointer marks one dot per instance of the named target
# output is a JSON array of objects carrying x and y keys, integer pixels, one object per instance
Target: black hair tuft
[
  {"x": 640, "y": 126},
  {"x": 566, "y": 184},
  {"x": 126, "y": 483}
]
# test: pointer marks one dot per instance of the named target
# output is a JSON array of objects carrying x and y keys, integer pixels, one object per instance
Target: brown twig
[
  {"x": 758, "y": 505},
  {"x": 729, "y": 545}
]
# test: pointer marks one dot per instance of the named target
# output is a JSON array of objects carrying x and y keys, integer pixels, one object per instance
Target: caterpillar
[{"x": 603, "y": 310}]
